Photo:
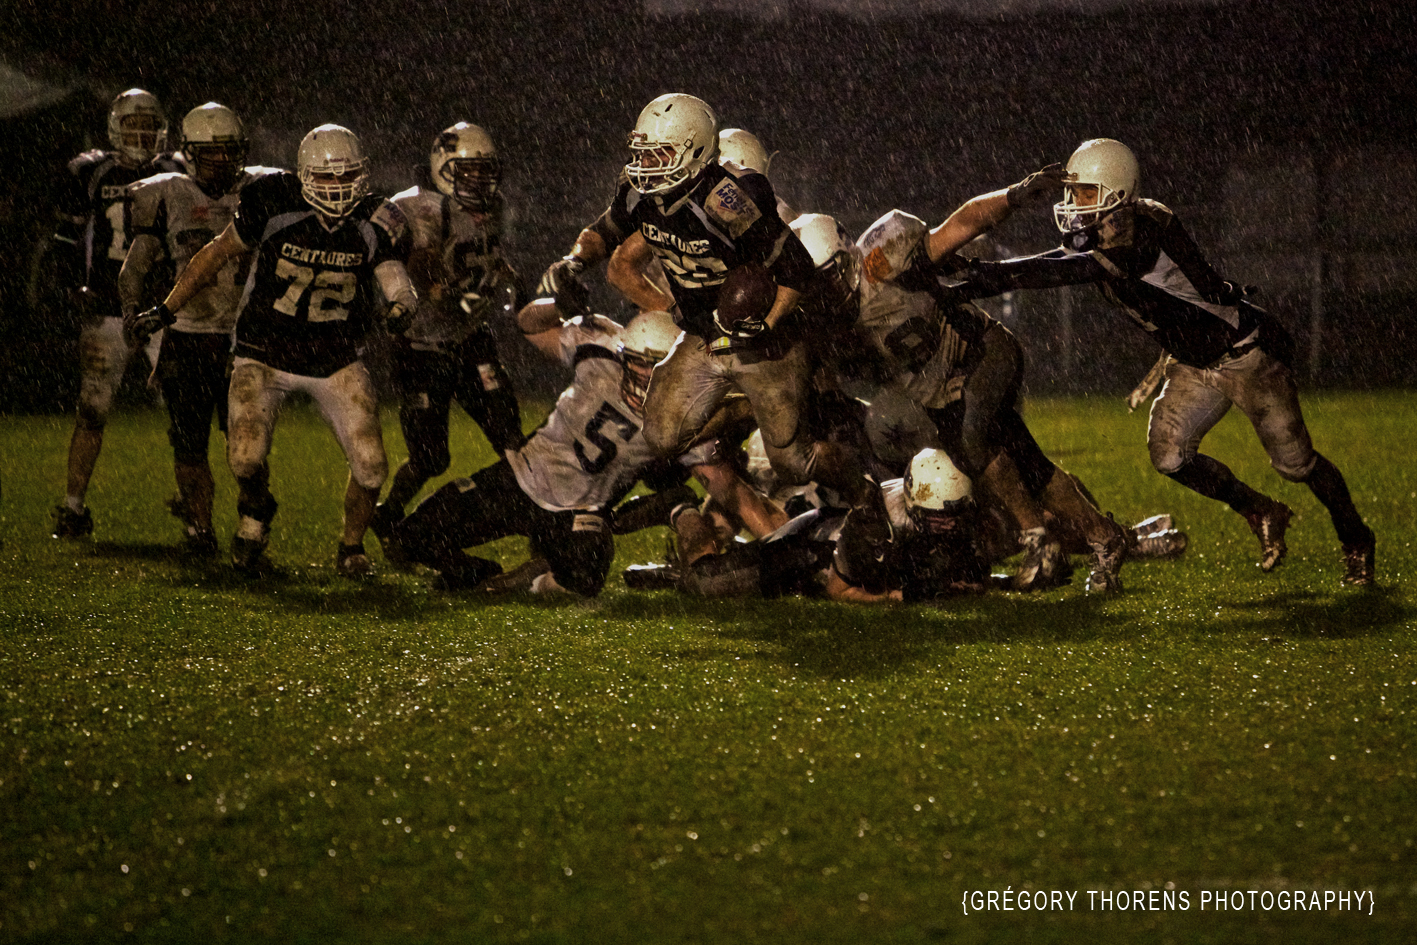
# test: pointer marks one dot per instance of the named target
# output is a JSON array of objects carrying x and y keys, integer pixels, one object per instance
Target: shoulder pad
[
  {"x": 89, "y": 159},
  {"x": 887, "y": 245},
  {"x": 1155, "y": 210},
  {"x": 388, "y": 215},
  {"x": 156, "y": 180},
  {"x": 411, "y": 193},
  {"x": 731, "y": 202}
]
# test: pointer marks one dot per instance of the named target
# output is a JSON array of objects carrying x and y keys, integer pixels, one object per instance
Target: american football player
[
  {"x": 318, "y": 236},
  {"x": 963, "y": 367},
  {"x": 90, "y": 243},
  {"x": 702, "y": 219},
  {"x": 560, "y": 487},
  {"x": 1223, "y": 350},
  {"x": 447, "y": 352},
  {"x": 174, "y": 215}
]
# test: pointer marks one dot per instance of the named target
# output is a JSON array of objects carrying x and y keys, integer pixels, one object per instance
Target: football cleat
[
  {"x": 466, "y": 573},
  {"x": 382, "y": 525},
  {"x": 248, "y": 554},
  {"x": 1269, "y": 527},
  {"x": 1169, "y": 543},
  {"x": 352, "y": 562},
  {"x": 1044, "y": 565},
  {"x": 1106, "y": 577},
  {"x": 517, "y": 580},
  {"x": 1359, "y": 563},
  {"x": 651, "y": 577},
  {"x": 200, "y": 543},
  {"x": 71, "y": 524}
]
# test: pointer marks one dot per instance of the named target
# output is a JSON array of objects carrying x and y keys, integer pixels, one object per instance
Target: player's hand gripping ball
[{"x": 744, "y": 300}]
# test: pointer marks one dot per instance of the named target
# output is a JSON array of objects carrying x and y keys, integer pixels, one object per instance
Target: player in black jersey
[
  {"x": 318, "y": 237},
  {"x": 1223, "y": 350},
  {"x": 91, "y": 241},
  {"x": 701, "y": 220}
]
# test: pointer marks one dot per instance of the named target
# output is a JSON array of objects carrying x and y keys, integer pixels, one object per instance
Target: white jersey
[
  {"x": 924, "y": 345},
  {"x": 452, "y": 251},
  {"x": 178, "y": 213},
  {"x": 592, "y": 449}
]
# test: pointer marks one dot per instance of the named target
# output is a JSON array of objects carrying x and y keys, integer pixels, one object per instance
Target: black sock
[
  {"x": 1214, "y": 480},
  {"x": 1328, "y": 487}
]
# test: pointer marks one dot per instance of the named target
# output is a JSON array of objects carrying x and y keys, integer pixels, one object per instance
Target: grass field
[{"x": 188, "y": 755}]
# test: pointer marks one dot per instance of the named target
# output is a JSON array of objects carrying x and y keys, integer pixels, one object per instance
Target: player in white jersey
[
  {"x": 447, "y": 352},
  {"x": 174, "y": 215},
  {"x": 90, "y": 243},
  {"x": 559, "y": 489}
]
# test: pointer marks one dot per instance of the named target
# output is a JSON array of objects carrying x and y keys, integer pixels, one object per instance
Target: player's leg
[
  {"x": 103, "y": 358},
  {"x": 1266, "y": 392},
  {"x": 350, "y": 405},
  {"x": 778, "y": 389},
  {"x": 192, "y": 371},
  {"x": 425, "y": 395},
  {"x": 1189, "y": 405},
  {"x": 686, "y": 389},
  {"x": 484, "y": 390},
  {"x": 462, "y": 514},
  {"x": 253, "y": 403},
  {"x": 579, "y": 547}
]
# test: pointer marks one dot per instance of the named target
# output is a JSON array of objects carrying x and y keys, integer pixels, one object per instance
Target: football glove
[
  {"x": 140, "y": 326},
  {"x": 1039, "y": 186},
  {"x": 477, "y": 307},
  {"x": 398, "y": 318},
  {"x": 744, "y": 330}
]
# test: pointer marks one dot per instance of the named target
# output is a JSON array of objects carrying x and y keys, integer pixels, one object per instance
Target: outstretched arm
[
  {"x": 983, "y": 213},
  {"x": 203, "y": 268}
]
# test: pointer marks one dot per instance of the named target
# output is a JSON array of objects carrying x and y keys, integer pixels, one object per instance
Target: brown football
[{"x": 747, "y": 292}]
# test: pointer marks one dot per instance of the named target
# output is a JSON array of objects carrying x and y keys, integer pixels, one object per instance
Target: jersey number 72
[{"x": 324, "y": 295}]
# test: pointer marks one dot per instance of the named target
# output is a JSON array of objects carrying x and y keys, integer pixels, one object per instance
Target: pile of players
[{"x": 751, "y": 318}]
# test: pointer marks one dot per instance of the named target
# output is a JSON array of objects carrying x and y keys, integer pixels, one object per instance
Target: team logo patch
[
  {"x": 877, "y": 266},
  {"x": 391, "y": 218},
  {"x": 732, "y": 208},
  {"x": 588, "y": 523}
]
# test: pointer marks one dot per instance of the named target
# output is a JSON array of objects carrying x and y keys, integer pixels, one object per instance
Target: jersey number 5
[
  {"x": 327, "y": 301},
  {"x": 620, "y": 423}
]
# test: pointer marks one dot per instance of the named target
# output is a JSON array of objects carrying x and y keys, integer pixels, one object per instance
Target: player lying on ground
[{"x": 559, "y": 489}]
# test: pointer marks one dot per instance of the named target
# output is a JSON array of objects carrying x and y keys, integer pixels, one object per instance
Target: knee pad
[
  {"x": 1169, "y": 458},
  {"x": 1293, "y": 468}
]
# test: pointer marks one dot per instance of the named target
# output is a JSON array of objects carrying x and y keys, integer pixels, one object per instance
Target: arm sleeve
[
  {"x": 1177, "y": 244},
  {"x": 395, "y": 284},
  {"x": 615, "y": 225},
  {"x": 1044, "y": 271}
]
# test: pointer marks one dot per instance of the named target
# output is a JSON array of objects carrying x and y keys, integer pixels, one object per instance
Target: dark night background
[{"x": 1285, "y": 133}]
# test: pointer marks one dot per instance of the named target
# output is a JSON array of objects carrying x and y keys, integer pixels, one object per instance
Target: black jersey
[
  {"x": 308, "y": 299},
  {"x": 95, "y": 219},
  {"x": 726, "y": 218},
  {"x": 1143, "y": 260}
]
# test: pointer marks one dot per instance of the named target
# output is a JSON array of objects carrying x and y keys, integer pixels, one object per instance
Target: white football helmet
[
  {"x": 645, "y": 342},
  {"x": 744, "y": 149},
  {"x": 1107, "y": 173},
  {"x": 137, "y": 126},
  {"x": 837, "y": 258},
  {"x": 215, "y": 143},
  {"x": 675, "y": 138},
  {"x": 465, "y": 165},
  {"x": 334, "y": 174},
  {"x": 936, "y": 492}
]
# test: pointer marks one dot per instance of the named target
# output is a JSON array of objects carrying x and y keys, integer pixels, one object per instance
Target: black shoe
[
  {"x": 352, "y": 562},
  {"x": 1269, "y": 527},
  {"x": 1106, "y": 577},
  {"x": 71, "y": 524},
  {"x": 651, "y": 577},
  {"x": 1044, "y": 565},
  {"x": 382, "y": 525},
  {"x": 200, "y": 543},
  {"x": 466, "y": 574},
  {"x": 1359, "y": 563},
  {"x": 248, "y": 554},
  {"x": 517, "y": 580}
]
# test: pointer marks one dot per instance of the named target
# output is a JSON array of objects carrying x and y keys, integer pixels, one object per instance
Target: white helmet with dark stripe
[
  {"x": 334, "y": 174},
  {"x": 137, "y": 126},
  {"x": 675, "y": 138},
  {"x": 1103, "y": 175}
]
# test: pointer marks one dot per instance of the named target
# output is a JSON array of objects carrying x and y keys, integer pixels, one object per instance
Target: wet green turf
[{"x": 188, "y": 754}]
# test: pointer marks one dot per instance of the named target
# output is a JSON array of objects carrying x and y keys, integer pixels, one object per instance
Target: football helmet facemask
[
  {"x": 744, "y": 149},
  {"x": 215, "y": 144},
  {"x": 645, "y": 342},
  {"x": 936, "y": 492},
  {"x": 137, "y": 126},
  {"x": 675, "y": 138},
  {"x": 465, "y": 165},
  {"x": 334, "y": 174},
  {"x": 1102, "y": 175},
  {"x": 837, "y": 259}
]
